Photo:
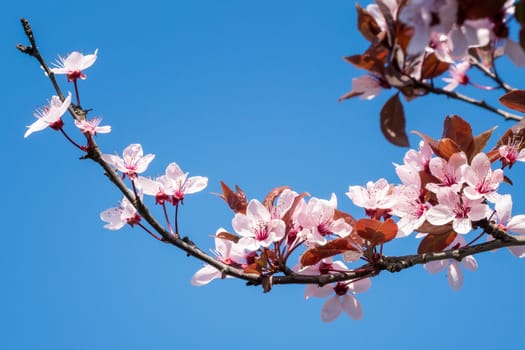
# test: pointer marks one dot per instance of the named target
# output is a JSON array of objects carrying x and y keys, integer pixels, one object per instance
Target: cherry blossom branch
[
  {"x": 372, "y": 268},
  {"x": 76, "y": 112},
  {"x": 457, "y": 96},
  {"x": 399, "y": 263},
  {"x": 94, "y": 153}
]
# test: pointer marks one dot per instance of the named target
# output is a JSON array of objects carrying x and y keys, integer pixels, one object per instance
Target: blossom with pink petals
[
  {"x": 376, "y": 198},
  {"x": 458, "y": 209},
  {"x": 225, "y": 251},
  {"x": 482, "y": 181},
  {"x": 117, "y": 217},
  {"x": 510, "y": 153},
  {"x": 182, "y": 184},
  {"x": 343, "y": 300},
  {"x": 50, "y": 115},
  {"x": 74, "y": 64},
  {"x": 458, "y": 74},
  {"x": 257, "y": 227},
  {"x": 172, "y": 187},
  {"x": 92, "y": 127},
  {"x": 366, "y": 87},
  {"x": 419, "y": 159},
  {"x": 507, "y": 222},
  {"x": 410, "y": 208},
  {"x": 454, "y": 273},
  {"x": 317, "y": 220},
  {"x": 449, "y": 173},
  {"x": 133, "y": 160}
]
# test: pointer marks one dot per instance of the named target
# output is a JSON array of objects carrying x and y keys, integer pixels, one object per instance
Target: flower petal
[
  {"x": 352, "y": 307},
  {"x": 331, "y": 309}
]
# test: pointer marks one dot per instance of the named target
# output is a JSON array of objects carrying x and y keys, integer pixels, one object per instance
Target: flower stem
[
  {"x": 149, "y": 232},
  {"x": 82, "y": 148},
  {"x": 76, "y": 92}
]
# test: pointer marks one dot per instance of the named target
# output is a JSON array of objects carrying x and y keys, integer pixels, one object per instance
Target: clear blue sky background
[{"x": 239, "y": 91}]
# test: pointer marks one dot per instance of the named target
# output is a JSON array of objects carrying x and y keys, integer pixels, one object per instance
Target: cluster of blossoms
[
  {"x": 426, "y": 38},
  {"x": 442, "y": 196},
  {"x": 72, "y": 66},
  {"x": 169, "y": 188}
]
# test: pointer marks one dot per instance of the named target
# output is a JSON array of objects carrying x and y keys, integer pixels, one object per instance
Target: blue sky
[{"x": 237, "y": 91}]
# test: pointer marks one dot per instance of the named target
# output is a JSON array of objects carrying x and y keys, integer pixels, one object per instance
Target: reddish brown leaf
[
  {"x": 432, "y": 67},
  {"x": 446, "y": 148},
  {"x": 270, "y": 197},
  {"x": 433, "y": 143},
  {"x": 349, "y": 95},
  {"x": 392, "y": 119},
  {"x": 253, "y": 268},
  {"x": 370, "y": 63},
  {"x": 481, "y": 141},
  {"x": 514, "y": 100},
  {"x": 366, "y": 24},
  {"x": 235, "y": 200},
  {"x": 459, "y": 131},
  {"x": 436, "y": 243},
  {"x": 337, "y": 246},
  {"x": 375, "y": 231},
  {"x": 427, "y": 227},
  {"x": 228, "y": 236}
]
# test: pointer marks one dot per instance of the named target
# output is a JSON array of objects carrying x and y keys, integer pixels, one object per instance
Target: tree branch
[
  {"x": 492, "y": 75},
  {"x": 383, "y": 263},
  {"x": 457, "y": 96}
]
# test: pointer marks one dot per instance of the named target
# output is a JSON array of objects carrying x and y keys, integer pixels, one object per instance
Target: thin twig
[
  {"x": 457, "y": 96},
  {"x": 492, "y": 75}
]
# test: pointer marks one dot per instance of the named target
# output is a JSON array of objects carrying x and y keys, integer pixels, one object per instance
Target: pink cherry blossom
[
  {"x": 182, "y": 184},
  {"x": 449, "y": 173},
  {"x": 284, "y": 203},
  {"x": 50, "y": 115},
  {"x": 317, "y": 221},
  {"x": 419, "y": 159},
  {"x": 257, "y": 227},
  {"x": 74, "y": 64},
  {"x": 507, "y": 222},
  {"x": 482, "y": 181},
  {"x": 343, "y": 300},
  {"x": 225, "y": 251},
  {"x": 161, "y": 188},
  {"x": 366, "y": 87},
  {"x": 468, "y": 34},
  {"x": 454, "y": 273},
  {"x": 457, "y": 209},
  {"x": 427, "y": 16},
  {"x": 92, "y": 127},
  {"x": 375, "y": 196},
  {"x": 117, "y": 217},
  {"x": 510, "y": 153},
  {"x": 458, "y": 74},
  {"x": 410, "y": 208},
  {"x": 173, "y": 186},
  {"x": 133, "y": 161}
]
